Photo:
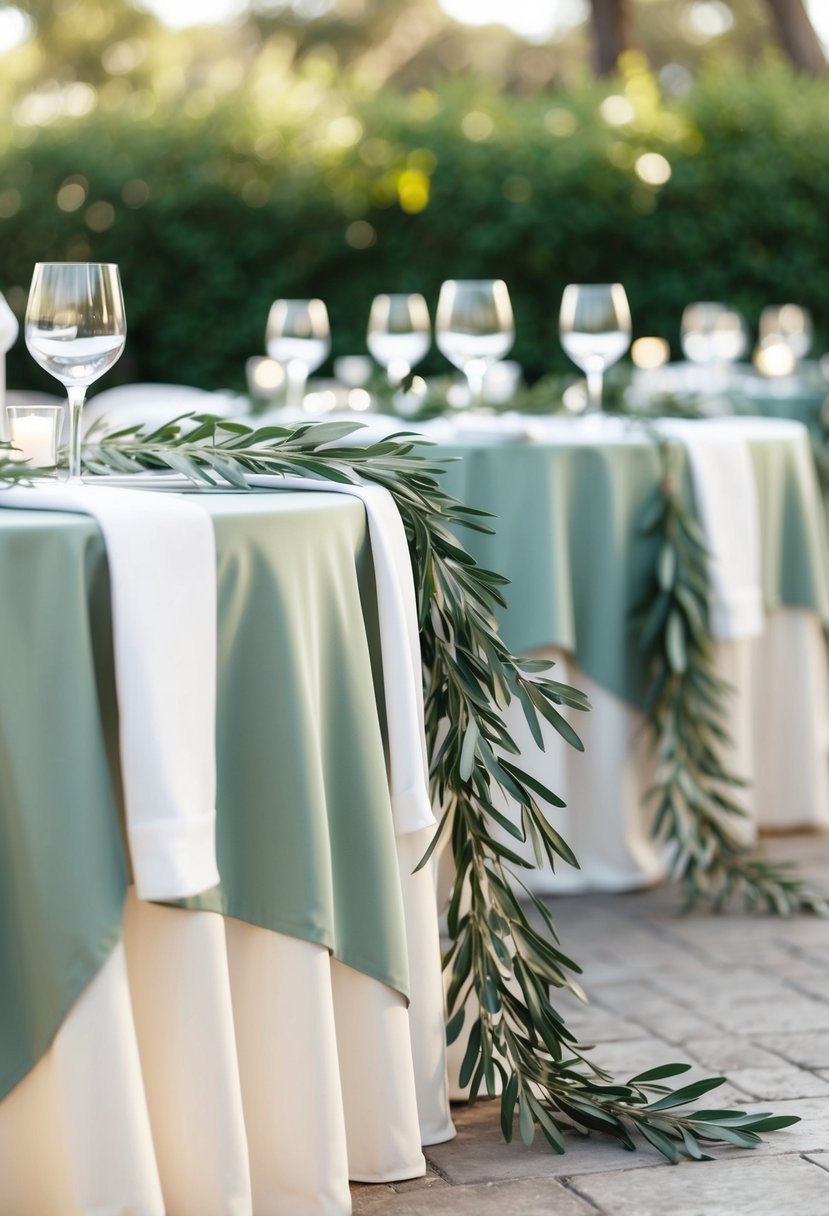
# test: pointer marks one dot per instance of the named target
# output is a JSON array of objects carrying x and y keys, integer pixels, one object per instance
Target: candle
[{"x": 34, "y": 435}]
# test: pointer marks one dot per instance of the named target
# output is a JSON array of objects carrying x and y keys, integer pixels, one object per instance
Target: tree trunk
[
  {"x": 612, "y": 32},
  {"x": 797, "y": 36}
]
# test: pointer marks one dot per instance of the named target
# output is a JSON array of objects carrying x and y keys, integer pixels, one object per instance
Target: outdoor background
[{"x": 339, "y": 148}]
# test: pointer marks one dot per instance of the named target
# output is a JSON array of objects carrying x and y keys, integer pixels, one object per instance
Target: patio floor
[{"x": 747, "y": 997}]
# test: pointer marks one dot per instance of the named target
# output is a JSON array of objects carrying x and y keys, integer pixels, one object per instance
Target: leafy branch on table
[
  {"x": 502, "y": 966},
  {"x": 13, "y": 471},
  {"x": 687, "y": 708}
]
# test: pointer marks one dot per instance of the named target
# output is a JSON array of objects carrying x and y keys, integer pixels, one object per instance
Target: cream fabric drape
[
  {"x": 779, "y": 723},
  {"x": 213, "y": 1068}
]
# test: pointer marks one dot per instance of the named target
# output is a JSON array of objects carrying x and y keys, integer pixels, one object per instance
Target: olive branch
[
  {"x": 502, "y": 964},
  {"x": 686, "y": 708},
  {"x": 13, "y": 472}
]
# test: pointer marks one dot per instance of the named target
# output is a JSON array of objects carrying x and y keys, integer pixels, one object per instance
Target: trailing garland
[
  {"x": 502, "y": 966},
  {"x": 686, "y": 708}
]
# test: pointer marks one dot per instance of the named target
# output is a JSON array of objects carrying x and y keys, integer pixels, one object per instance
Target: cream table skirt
[
  {"x": 779, "y": 723},
  {"x": 213, "y": 1068}
]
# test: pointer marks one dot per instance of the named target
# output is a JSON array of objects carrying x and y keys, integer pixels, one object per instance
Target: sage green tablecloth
[
  {"x": 305, "y": 836},
  {"x": 798, "y": 405},
  {"x": 567, "y": 535}
]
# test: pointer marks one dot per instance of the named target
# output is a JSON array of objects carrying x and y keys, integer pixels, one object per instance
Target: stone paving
[{"x": 747, "y": 997}]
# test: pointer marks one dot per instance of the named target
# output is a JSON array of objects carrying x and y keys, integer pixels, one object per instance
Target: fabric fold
[
  {"x": 725, "y": 492},
  {"x": 399, "y": 645},
  {"x": 162, "y": 563}
]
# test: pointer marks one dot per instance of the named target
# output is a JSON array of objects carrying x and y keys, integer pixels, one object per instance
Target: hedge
[{"x": 216, "y": 208}]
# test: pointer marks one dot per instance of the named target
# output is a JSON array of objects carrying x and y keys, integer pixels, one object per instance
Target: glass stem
[
  {"x": 475, "y": 379},
  {"x": 594, "y": 392},
  {"x": 76, "y": 396},
  {"x": 397, "y": 371},
  {"x": 297, "y": 373}
]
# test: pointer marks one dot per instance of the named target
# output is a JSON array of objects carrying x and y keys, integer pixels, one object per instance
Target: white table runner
[
  {"x": 162, "y": 562},
  {"x": 725, "y": 490}
]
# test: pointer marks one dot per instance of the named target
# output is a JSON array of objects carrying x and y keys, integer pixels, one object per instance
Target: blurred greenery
[{"x": 288, "y": 176}]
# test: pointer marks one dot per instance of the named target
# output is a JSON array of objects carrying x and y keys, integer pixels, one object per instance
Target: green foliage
[
  {"x": 266, "y": 190},
  {"x": 503, "y": 965},
  {"x": 694, "y": 795},
  {"x": 13, "y": 472}
]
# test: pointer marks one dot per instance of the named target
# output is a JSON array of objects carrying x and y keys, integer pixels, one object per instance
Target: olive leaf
[{"x": 687, "y": 708}]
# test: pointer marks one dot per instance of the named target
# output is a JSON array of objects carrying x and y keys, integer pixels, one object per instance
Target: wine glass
[
  {"x": 697, "y": 329},
  {"x": 299, "y": 337},
  {"x": 474, "y": 328},
  {"x": 713, "y": 333},
  {"x": 789, "y": 324},
  {"x": 730, "y": 337},
  {"x": 399, "y": 333},
  {"x": 595, "y": 330},
  {"x": 76, "y": 330}
]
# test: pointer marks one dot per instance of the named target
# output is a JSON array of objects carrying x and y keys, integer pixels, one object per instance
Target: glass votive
[
  {"x": 265, "y": 377},
  {"x": 34, "y": 432},
  {"x": 650, "y": 353},
  {"x": 354, "y": 371}
]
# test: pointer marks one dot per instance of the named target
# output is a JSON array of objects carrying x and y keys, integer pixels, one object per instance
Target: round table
[
  {"x": 567, "y": 497},
  {"x": 252, "y": 1048}
]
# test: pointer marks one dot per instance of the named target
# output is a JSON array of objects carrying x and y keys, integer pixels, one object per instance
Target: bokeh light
[
  {"x": 652, "y": 168},
  {"x": 774, "y": 357},
  {"x": 413, "y": 191},
  {"x": 617, "y": 111},
  {"x": 561, "y": 122},
  {"x": 15, "y": 27},
  {"x": 533, "y": 19},
  {"x": 360, "y": 235},
  {"x": 100, "y": 216},
  {"x": 477, "y": 126},
  {"x": 359, "y": 400},
  {"x": 649, "y": 353}
]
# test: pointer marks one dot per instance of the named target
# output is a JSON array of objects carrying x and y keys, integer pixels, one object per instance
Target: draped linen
[
  {"x": 189, "y": 1061},
  {"x": 568, "y": 498}
]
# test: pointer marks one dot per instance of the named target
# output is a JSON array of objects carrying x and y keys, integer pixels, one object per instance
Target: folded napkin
[
  {"x": 725, "y": 491},
  {"x": 399, "y": 645},
  {"x": 760, "y": 429},
  {"x": 162, "y": 563}
]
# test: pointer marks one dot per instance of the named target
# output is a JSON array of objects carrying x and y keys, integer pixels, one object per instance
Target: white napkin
[
  {"x": 725, "y": 491},
  {"x": 399, "y": 645},
  {"x": 162, "y": 563}
]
